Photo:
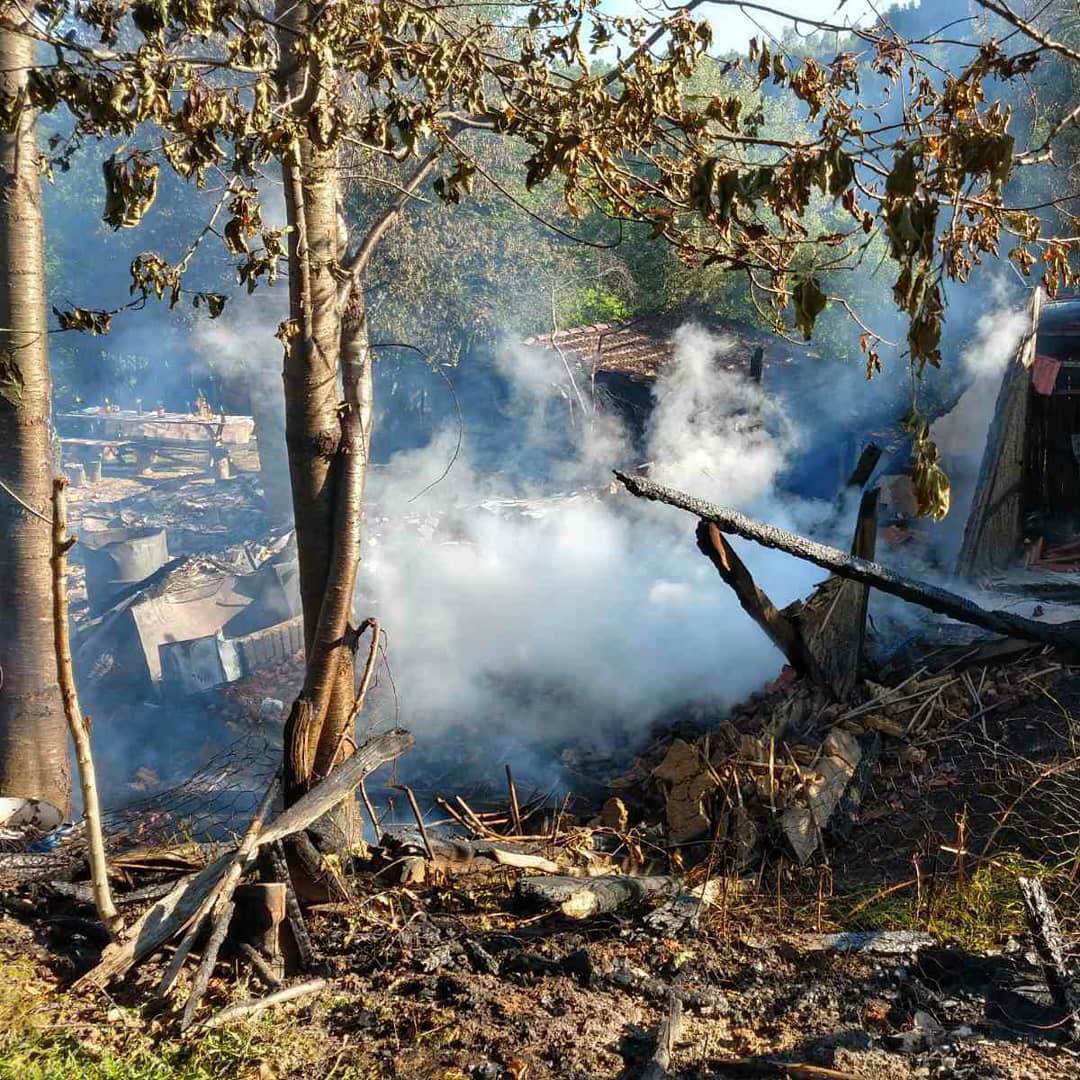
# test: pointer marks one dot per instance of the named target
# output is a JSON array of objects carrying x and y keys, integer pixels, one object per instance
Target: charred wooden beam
[
  {"x": 865, "y": 466},
  {"x": 780, "y": 630},
  {"x": 757, "y": 364},
  {"x": 942, "y": 601}
]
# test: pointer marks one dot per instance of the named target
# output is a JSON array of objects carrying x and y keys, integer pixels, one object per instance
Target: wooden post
[
  {"x": 78, "y": 725},
  {"x": 832, "y": 623}
]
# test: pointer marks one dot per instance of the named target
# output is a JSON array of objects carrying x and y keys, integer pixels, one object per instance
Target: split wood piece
[
  {"x": 301, "y": 938},
  {"x": 578, "y": 898},
  {"x": 263, "y": 968},
  {"x": 171, "y": 914},
  {"x": 666, "y": 1038},
  {"x": 778, "y": 628},
  {"x": 222, "y": 918},
  {"x": 254, "y": 1006},
  {"x": 1062, "y": 635},
  {"x": 156, "y": 925},
  {"x": 832, "y": 622},
  {"x": 1046, "y": 934},
  {"x": 222, "y": 891},
  {"x": 369, "y": 755},
  {"x": 261, "y": 920},
  {"x": 78, "y": 725}
]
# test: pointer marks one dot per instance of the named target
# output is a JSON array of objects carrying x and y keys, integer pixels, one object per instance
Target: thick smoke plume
[{"x": 592, "y": 614}]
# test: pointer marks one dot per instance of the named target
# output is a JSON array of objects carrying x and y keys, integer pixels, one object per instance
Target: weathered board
[{"x": 993, "y": 531}]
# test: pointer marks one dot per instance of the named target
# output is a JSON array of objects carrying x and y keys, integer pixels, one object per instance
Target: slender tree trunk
[
  {"x": 33, "y": 734},
  {"x": 319, "y": 447}
]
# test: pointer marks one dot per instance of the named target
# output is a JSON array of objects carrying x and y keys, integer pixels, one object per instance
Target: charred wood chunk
[{"x": 579, "y": 898}]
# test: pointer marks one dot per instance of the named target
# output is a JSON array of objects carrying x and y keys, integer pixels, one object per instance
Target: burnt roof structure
[{"x": 639, "y": 348}]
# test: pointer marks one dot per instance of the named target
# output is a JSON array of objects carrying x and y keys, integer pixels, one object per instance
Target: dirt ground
[{"x": 447, "y": 982}]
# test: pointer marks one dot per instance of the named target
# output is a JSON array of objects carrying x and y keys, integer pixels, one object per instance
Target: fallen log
[
  {"x": 455, "y": 855},
  {"x": 1046, "y": 934},
  {"x": 578, "y": 898},
  {"x": 666, "y": 1038},
  {"x": 942, "y": 601}
]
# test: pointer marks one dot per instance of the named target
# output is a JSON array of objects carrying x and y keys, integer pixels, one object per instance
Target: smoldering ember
[{"x": 539, "y": 540}]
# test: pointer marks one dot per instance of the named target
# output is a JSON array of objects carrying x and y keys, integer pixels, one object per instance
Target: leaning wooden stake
[
  {"x": 666, "y": 1038},
  {"x": 1063, "y": 635},
  {"x": 173, "y": 913},
  {"x": 78, "y": 725},
  {"x": 1046, "y": 934}
]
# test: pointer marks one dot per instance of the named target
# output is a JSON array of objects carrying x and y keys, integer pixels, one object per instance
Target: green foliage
[
  {"x": 592, "y": 305},
  {"x": 979, "y": 910}
]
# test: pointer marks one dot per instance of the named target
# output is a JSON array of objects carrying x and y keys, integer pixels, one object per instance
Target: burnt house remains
[{"x": 1027, "y": 500}]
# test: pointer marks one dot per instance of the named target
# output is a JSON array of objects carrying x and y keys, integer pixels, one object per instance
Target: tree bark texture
[
  {"x": 319, "y": 438},
  {"x": 33, "y": 733}
]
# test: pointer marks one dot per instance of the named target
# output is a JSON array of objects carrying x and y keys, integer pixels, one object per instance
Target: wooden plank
[{"x": 993, "y": 531}]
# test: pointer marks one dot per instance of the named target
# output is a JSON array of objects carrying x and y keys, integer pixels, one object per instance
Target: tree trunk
[
  {"x": 324, "y": 466},
  {"x": 33, "y": 743}
]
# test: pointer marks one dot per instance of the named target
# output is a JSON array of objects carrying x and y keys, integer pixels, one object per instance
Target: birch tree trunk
[{"x": 33, "y": 733}]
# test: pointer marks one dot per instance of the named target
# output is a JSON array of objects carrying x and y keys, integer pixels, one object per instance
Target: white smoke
[
  {"x": 595, "y": 613},
  {"x": 961, "y": 433}
]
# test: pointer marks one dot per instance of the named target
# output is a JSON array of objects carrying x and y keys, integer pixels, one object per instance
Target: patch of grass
[
  {"x": 978, "y": 910},
  {"x": 22, "y": 997},
  {"x": 45, "y": 1037},
  {"x": 58, "y": 1056}
]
